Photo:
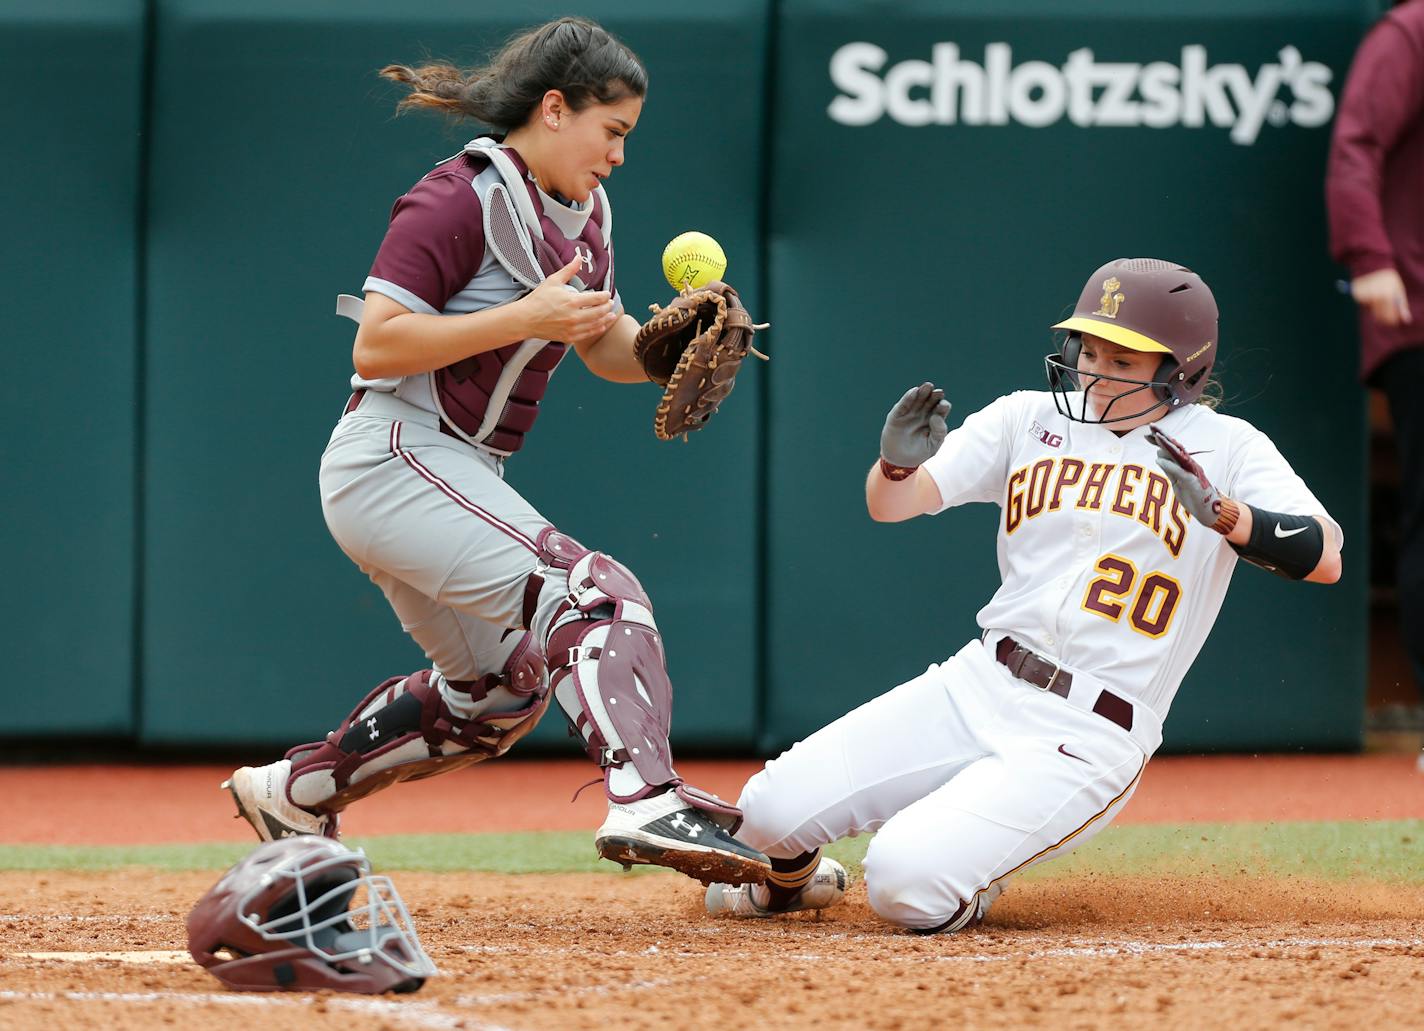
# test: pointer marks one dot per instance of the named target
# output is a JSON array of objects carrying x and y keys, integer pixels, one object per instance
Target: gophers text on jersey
[{"x": 1102, "y": 567}]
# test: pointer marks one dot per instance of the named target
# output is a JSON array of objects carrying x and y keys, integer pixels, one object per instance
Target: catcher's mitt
[{"x": 693, "y": 349}]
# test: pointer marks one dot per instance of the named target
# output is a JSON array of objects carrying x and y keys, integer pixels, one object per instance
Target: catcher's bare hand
[
  {"x": 553, "y": 310},
  {"x": 915, "y": 427}
]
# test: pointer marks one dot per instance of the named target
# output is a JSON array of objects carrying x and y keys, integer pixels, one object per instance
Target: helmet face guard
[
  {"x": 1146, "y": 305},
  {"x": 321, "y": 922},
  {"x": 1070, "y": 391},
  {"x": 282, "y": 919}
]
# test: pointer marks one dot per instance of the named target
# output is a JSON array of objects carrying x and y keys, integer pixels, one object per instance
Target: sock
[
  {"x": 789, "y": 876},
  {"x": 624, "y": 781}
]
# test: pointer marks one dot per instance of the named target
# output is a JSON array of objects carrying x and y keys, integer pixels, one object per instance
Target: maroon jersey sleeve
[{"x": 435, "y": 242}]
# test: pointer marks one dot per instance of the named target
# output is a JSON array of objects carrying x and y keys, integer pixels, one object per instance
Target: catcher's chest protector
[{"x": 492, "y": 399}]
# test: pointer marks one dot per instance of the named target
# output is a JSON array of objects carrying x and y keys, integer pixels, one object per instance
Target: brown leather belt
[{"x": 1042, "y": 674}]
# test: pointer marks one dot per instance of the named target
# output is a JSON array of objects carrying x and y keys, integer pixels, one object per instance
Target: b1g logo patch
[{"x": 1041, "y": 435}]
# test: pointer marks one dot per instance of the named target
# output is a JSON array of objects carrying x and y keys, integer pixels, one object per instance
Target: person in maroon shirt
[{"x": 1374, "y": 191}]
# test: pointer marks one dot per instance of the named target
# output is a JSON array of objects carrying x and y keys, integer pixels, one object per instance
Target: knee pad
[
  {"x": 524, "y": 674},
  {"x": 404, "y": 730}
]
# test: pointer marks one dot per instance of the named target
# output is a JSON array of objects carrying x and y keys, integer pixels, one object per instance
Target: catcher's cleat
[
  {"x": 261, "y": 796},
  {"x": 825, "y": 889},
  {"x": 665, "y": 831}
]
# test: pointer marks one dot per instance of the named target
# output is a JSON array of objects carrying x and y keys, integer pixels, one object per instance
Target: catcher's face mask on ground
[
  {"x": 282, "y": 919},
  {"x": 1095, "y": 381}
]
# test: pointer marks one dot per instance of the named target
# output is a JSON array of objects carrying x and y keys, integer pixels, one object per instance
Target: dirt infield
[
  {"x": 534, "y": 952},
  {"x": 531, "y": 953}
]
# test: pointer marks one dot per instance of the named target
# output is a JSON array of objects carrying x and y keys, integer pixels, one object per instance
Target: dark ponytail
[{"x": 576, "y": 56}]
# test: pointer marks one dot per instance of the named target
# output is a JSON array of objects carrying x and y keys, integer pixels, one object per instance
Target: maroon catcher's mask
[
  {"x": 1143, "y": 304},
  {"x": 280, "y": 920}
]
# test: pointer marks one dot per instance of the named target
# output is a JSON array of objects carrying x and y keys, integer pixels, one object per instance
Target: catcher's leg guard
[
  {"x": 609, "y": 676},
  {"x": 409, "y": 728},
  {"x": 608, "y": 672}
]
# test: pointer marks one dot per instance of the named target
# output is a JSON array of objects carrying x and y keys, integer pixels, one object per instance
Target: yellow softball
[{"x": 693, "y": 259}]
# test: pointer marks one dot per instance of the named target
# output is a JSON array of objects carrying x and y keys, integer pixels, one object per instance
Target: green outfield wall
[
  {"x": 909, "y": 191},
  {"x": 71, "y": 74}
]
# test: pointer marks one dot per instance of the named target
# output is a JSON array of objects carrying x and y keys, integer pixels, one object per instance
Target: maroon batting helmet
[
  {"x": 1143, "y": 304},
  {"x": 280, "y": 920}
]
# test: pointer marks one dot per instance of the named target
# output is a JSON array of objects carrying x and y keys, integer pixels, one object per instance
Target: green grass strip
[{"x": 1386, "y": 850}]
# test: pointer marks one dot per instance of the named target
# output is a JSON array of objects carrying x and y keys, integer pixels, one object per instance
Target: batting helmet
[
  {"x": 1149, "y": 305},
  {"x": 280, "y": 920}
]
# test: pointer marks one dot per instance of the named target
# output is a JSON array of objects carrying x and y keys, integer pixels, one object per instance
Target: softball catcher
[
  {"x": 1126, "y": 502},
  {"x": 494, "y": 266}
]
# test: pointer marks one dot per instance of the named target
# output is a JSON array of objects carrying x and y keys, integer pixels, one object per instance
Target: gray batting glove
[
  {"x": 915, "y": 427},
  {"x": 1189, "y": 481}
]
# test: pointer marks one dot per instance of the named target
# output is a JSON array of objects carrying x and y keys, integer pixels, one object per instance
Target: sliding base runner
[{"x": 1126, "y": 501}]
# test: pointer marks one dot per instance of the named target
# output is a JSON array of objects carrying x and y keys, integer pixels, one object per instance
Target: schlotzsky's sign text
[{"x": 949, "y": 90}]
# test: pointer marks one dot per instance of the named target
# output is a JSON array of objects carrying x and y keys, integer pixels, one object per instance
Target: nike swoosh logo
[
  {"x": 1071, "y": 755},
  {"x": 1290, "y": 533}
]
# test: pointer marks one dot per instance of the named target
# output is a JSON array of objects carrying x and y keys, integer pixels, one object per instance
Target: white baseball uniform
[{"x": 970, "y": 773}]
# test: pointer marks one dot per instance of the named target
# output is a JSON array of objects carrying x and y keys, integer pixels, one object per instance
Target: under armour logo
[
  {"x": 372, "y": 729},
  {"x": 587, "y": 259},
  {"x": 689, "y": 827}
]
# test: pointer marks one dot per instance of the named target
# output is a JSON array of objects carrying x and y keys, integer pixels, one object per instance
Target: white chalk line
[
  {"x": 150, "y": 957},
  {"x": 1102, "y": 950},
  {"x": 411, "y": 1014},
  {"x": 172, "y": 956},
  {"x": 86, "y": 918}
]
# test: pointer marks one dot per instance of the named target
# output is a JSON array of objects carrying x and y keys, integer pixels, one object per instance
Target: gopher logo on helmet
[{"x": 1112, "y": 300}]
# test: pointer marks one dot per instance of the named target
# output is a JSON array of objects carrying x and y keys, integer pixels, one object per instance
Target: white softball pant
[{"x": 968, "y": 775}]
